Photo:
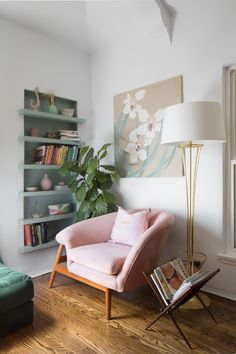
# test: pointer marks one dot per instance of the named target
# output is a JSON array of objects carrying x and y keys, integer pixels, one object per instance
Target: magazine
[
  {"x": 171, "y": 275},
  {"x": 172, "y": 281}
]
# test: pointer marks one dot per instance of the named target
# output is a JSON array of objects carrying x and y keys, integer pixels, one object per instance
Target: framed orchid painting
[{"x": 138, "y": 116}]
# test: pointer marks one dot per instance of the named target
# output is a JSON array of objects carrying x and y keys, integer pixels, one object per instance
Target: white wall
[
  {"x": 28, "y": 59},
  {"x": 203, "y": 43}
]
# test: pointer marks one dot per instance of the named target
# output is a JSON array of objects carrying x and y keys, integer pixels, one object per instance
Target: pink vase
[{"x": 46, "y": 183}]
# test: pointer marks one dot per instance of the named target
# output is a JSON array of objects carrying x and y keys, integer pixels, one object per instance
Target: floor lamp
[{"x": 190, "y": 126}]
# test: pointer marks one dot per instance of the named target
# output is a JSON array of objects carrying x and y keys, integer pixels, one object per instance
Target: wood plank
[{"x": 69, "y": 318}]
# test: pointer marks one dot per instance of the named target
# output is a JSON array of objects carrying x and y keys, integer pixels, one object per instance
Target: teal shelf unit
[
  {"x": 50, "y": 116},
  {"x": 47, "y": 218},
  {"x": 36, "y": 140},
  {"x": 27, "y": 249},
  {"x": 40, "y": 167},
  {"x": 44, "y": 193},
  {"x": 45, "y": 122}
]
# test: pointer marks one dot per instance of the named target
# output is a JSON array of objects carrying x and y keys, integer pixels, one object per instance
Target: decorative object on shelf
[
  {"x": 67, "y": 112},
  {"x": 31, "y": 189},
  {"x": 59, "y": 209},
  {"x": 61, "y": 186},
  {"x": 189, "y": 125},
  {"x": 91, "y": 182},
  {"x": 53, "y": 134},
  {"x": 52, "y": 108},
  {"x": 36, "y": 104},
  {"x": 138, "y": 119},
  {"x": 46, "y": 183},
  {"x": 34, "y": 131},
  {"x": 37, "y": 211}
]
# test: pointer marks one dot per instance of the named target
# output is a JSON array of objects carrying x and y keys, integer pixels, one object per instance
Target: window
[{"x": 230, "y": 109}]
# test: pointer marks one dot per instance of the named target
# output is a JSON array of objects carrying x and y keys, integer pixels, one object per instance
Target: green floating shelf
[
  {"x": 36, "y": 140},
  {"x": 40, "y": 167},
  {"x": 44, "y": 193},
  {"x": 27, "y": 249},
  {"x": 45, "y": 115},
  {"x": 47, "y": 218}
]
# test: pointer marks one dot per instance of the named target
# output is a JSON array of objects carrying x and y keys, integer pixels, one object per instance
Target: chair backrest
[{"x": 145, "y": 254}]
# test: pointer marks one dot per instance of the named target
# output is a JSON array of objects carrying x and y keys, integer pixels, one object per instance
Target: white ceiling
[{"x": 91, "y": 25}]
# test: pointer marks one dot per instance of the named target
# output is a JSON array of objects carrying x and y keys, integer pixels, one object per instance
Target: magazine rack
[{"x": 186, "y": 296}]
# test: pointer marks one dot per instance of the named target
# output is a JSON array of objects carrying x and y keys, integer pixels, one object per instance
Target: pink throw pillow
[{"x": 128, "y": 227}]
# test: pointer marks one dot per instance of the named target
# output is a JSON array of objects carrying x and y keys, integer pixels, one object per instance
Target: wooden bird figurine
[{"x": 35, "y": 104}]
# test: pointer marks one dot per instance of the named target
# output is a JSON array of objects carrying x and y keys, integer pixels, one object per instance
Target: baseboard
[
  {"x": 41, "y": 272},
  {"x": 220, "y": 293}
]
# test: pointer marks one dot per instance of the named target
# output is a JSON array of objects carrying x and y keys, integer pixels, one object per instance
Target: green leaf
[
  {"x": 92, "y": 194},
  {"x": 104, "y": 154},
  {"x": 63, "y": 170},
  {"x": 83, "y": 215},
  {"x": 90, "y": 179},
  {"x": 81, "y": 192},
  {"x": 109, "y": 167},
  {"x": 115, "y": 176},
  {"x": 75, "y": 169},
  {"x": 108, "y": 197},
  {"x": 83, "y": 152},
  {"x": 106, "y": 184},
  {"x": 73, "y": 185},
  {"x": 88, "y": 157},
  {"x": 92, "y": 165},
  {"x": 102, "y": 177},
  {"x": 101, "y": 206},
  {"x": 104, "y": 147},
  {"x": 85, "y": 205},
  {"x": 111, "y": 208}
]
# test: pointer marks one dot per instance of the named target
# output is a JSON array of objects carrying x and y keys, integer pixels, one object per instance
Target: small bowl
[
  {"x": 31, "y": 189},
  {"x": 58, "y": 209},
  {"x": 69, "y": 112}
]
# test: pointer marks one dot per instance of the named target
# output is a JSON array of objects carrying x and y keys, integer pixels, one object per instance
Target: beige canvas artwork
[{"x": 138, "y": 116}]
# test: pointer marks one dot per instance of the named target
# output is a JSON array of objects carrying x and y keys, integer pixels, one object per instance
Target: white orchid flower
[
  {"x": 135, "y": 149},
  {"x": 135, "y": 152},
  {"x": 132, "y": 107},
  {"x": 152, "y": 126}
]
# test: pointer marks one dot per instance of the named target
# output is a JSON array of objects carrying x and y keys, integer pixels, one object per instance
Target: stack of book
[
  {"x": 173, "y": 282},
  {"x": 69, "y": 135},
  {"x": 35, "y": 234},
  {"x": 55, "y": 155}
]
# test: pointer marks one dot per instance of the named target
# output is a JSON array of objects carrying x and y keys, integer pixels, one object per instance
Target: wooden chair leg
[
  {"x": 57, "y": 261},
  {"x": 108, "y": 303}
]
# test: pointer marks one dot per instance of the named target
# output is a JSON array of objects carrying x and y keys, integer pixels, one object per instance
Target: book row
[
  {"x": 55, "y": 155},
  {"x": 35, "y": 234}
]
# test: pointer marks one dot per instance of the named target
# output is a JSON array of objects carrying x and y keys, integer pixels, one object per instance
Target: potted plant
[{"x": 91, "y": 182}]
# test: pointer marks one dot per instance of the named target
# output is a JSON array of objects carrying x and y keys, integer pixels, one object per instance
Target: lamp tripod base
[{"x": 195, "y": 304}]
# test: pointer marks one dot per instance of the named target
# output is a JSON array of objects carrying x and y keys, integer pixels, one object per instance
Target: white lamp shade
[{"x": 198, "y": 122}]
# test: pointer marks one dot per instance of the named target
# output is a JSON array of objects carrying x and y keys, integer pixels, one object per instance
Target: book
[
  {"x": 27, "y": 235},
  {"x": 158, "y": 286},
  {"x": 171, "y": 275},
  {"x": 172, "y": 280},
  {"x": 68, "y": 132}
]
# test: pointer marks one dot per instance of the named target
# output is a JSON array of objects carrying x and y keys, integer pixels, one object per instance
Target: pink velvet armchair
[{"x": 107, "y": 266}]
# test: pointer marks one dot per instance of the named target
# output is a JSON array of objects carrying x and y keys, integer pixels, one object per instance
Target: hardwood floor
[{"x": 69, "y": 318}]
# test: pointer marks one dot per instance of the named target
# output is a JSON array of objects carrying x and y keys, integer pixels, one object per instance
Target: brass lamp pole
[
  {"x": 189, "y": 126},
  {"x": 190, "y": 172}
]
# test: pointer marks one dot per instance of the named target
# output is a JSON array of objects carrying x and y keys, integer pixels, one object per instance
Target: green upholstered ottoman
[{"x": 16, "y": 294}]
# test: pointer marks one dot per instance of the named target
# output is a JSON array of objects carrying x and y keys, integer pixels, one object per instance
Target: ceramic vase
[
  {"x": 37, "y": 211},
  {"x": 46, "y": 183}
]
